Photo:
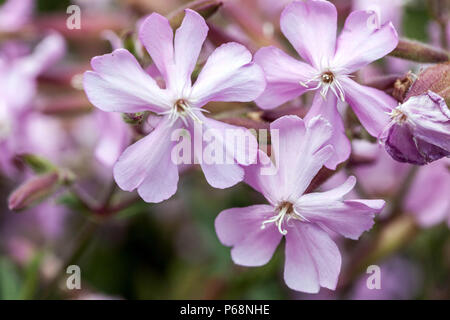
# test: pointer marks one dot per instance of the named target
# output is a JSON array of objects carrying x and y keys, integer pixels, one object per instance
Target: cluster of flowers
[{"x": 416, "y": 131}]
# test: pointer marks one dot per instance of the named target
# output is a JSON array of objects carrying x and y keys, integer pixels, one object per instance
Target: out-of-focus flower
[
  {"x": 400, "y": 279},
  {"x": 312, "y": 258},
  {"x": 310, "y": 26},
  {"x": 115, "y": 136},
  {"x": 428, "y": 198},
  {"x": 118, "y": 83},
  {"x": 18, "y": 73},
  {"x": 14, "y": 14},
  {"x": 420, "y": 130}
]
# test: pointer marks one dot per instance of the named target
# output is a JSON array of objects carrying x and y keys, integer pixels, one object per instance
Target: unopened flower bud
[
  {"x": 33, "y": 191},
  {"x": 420, "y": 130}
]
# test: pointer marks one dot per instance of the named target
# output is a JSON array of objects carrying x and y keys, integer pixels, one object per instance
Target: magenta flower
[
  {"x": 312, "y": 258},
  {"x": 310, "y": 26},
  {"x": 420, "y": 130},
  {"x": 118, "y": 83}
]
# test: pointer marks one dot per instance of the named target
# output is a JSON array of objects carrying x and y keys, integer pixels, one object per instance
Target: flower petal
[
  {"x": 362, "y": 42},
  {"x": 189, "y": 39},
  {"x": 431, "y": 117},
  {"x": 156, "y": 35},
  {"x": 234, "y": 225},
  {"x": 228, "y": 75},
  {"x": 14, "y": 14},
  {"x": 147, "y": 165},
  {"x": 283, "y": 76},
  {"x": 300, "y": 152},
  {"x": 310, "y": 26},
  {"x": 312, "y": 259},
  {"x": 46, "y": 54},
  {"x": 232, "y": 146},
  {"x": 402, "y": 147},
  {"x": 118, "y": 83},
  {"x": 327, "y": 108},
  {"x": 428, "y": 198},
  {"x": 349, "y": 218},
  {"x": 241, "y": 228},
  {"x": 262, "y": 176},
  {"x": 371, "y": 106}
]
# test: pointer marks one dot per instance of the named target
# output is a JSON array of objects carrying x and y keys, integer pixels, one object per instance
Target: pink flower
[
  {"x": 18, "y": 73},
  {"x": 312, "y": 258},
  {"x": 14, "y": 14},
  {"x": 428, "y": 198},
  {"x": 420, "y": 130},
  {"x": 118, "y": 83},
  {"x": 310, "y": 26}
]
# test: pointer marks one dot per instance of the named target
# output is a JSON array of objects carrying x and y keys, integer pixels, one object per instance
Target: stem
[{"x": 419, "y": 52}]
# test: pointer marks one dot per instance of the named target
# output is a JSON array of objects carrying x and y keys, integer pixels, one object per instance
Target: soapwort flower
[
  {"x": 119, "y": 84},
  {"x": 312, "y": 258},
  {"x": 419, "y": 132},
  {"x": 310, "y": 26}
]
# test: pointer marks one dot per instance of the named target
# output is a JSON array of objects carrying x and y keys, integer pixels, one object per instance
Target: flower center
[
  {"x": 285, "y": 210},
  {"x": 398, "y": 116},
  {"x": 182, "y": 109},
  {"x": 327, "y": 77},
  {"x": 326, "y": 80}
]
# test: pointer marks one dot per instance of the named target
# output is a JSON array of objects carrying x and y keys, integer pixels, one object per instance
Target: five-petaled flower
[
  {"x": 419, "y": 132},
  {"x": 118, "y": 83},
  {"x": 312, "y": 258},
  {"x": 310, "y": 26}
]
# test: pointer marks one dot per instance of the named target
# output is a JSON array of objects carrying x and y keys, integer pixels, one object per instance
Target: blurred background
[{"x": 60, "y": 206}]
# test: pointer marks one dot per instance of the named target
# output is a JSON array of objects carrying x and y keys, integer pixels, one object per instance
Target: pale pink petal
[
  {"x": 189, "y": 39},
  {"x": 263, "y": 177},
  {"x": 235, "y": 146},
  {"x": 283, "y": 77},
  {"x": 147, "y": 165},
  {"x": 118, "y": 83},
  {"x": 14, "y": 14},
  {"x": 310, "y": 26},
  {"x": 302, "y": 150},
  {"x": 428, "y": 198},
  {"x": 241, "y": 228},
  {"x": 349, "y": 218},
  {"x": 327, "y": 108},
  {"x": 51, "y": 49},
  {"x": 362, "y": 41},
  {"x": 371, "y": 106},
  {"x": 156, "y": 35},
  {"x": 312, "y": 259},
  {"x": 228, "y": 75}
]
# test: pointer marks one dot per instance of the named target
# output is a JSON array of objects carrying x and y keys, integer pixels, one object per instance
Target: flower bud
[
  {"x": 206, "y": 8},
  {"x": 37, "y": 164},
  {"x": 33, "y": 191},
  {"x": 420, "y": 130}
]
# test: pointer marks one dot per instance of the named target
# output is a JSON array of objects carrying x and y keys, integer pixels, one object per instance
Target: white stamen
[
  {"x": 286, "y": 213},
  {"x": 327, "y": 80},
  {"x": 186, "y": 111}
]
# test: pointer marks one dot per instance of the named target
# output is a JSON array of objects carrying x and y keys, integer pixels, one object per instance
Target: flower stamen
[{"x": 182, "y": 109}]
